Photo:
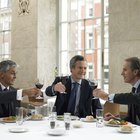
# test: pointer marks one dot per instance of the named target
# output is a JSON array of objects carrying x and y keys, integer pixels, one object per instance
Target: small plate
[
  {"x": 18, "y": 130},
  {"x": 84, "y": 120},
  {"x": 56, "y": 132},
  {"x": 119, "y": 130}
]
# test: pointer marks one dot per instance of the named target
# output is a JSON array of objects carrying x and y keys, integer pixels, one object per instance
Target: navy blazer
[
  {"x": 62, "y": 100},
  {"x": 133, "y": 102},
  {"x": 8, "y": 103}
]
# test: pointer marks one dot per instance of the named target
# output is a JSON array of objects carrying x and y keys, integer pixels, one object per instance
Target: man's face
[
  {"x": 79, "y": 71},
  {"x": 8, "y": 78},
  {"x": 128, "y": 75}
]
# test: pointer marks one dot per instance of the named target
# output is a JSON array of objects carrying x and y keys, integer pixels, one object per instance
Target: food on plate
[
  {"x": 127, "y": 128},
  {"x": 117, "y": 122},
  {"x": 10, "y": 118},
  {"x": 77, "y": 125},
  {"x": 89, "y": 118},
  {"x": 36, "y": 117}
]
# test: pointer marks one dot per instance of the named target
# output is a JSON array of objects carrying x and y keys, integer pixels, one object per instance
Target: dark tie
[
  {"x": 133, "y": 90},
  {"x": 72, "y": 100}
]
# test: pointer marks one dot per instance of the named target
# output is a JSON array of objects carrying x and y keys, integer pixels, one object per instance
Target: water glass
[
  {"x": 52, "y": 120},
  {"x": 99, "y": 118},
  {"x": 67, "y": 120},
  {"x": 19, "y": 116}
]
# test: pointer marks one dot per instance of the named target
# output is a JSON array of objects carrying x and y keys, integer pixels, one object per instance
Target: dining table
[{"x": 40, "y": 130}]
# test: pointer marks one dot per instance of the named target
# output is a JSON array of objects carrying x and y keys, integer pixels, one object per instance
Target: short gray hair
[
  {"x": 6, "y": 65},
  {"x": 134, "y": 64},
  {"x": 75, "y": 59}
]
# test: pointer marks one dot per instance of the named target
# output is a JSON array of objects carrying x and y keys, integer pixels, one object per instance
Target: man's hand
[
  {"x": 32, "y": 92},
  {"x": 108, "y": 116},
  {"x": 100, "y": 94},
  {"x": 59, "y": 87}
]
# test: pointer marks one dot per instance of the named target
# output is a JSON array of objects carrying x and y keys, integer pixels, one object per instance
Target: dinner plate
[
  {"x": 18, "y": 130},
  {"x": 56, "y": 132},
  {"x": 85, "y": 120}
]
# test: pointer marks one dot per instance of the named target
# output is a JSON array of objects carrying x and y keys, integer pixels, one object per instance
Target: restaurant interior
[{"x": 41, "y": 36}]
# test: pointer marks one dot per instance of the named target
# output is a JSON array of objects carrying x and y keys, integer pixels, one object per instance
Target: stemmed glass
[
  {"x": 64, "y": 80},
  {"x": 39, "y": 82},
  {"x": 93, "y": 84}
]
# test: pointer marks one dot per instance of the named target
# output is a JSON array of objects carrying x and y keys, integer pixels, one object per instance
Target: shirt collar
[
  {"x": 137, "y": 84},
  {"x": 3, "y": 87},
  {"x": 79, "y": 82}
]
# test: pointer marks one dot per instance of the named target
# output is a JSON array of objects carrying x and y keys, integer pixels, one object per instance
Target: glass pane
[
  {"x": 64, "y": 36},
  {"x": 73, "y": 36},
  {"x": 89, "y": 8},
  {"x": 106, "y": 7},
  {"x": 74, "y": 10},
  {"x": 81, "y": 9},
  {"x": 64, "y": 10},
  {"x": 97, "y": 8},
  {"x": 64, "y": 65}
]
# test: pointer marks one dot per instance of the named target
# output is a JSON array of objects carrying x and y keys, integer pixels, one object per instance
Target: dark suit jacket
[
  {"x": 133, "y": 102},
  {"x": 63, "y": 99},
  {"x": 8, "y": 102}
]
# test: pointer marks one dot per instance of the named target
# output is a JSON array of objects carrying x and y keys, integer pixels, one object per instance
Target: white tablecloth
[{"x": 38, "y": 131}]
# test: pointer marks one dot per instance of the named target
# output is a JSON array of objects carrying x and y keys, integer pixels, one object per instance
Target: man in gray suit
[
  {"x": 131, "y": 74},
  {"x": 9, "y": 96}
]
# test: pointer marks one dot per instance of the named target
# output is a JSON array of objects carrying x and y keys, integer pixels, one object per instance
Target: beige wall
[
  {"x": 34, "y": 41},
  {"x": 124, "y": 40}
]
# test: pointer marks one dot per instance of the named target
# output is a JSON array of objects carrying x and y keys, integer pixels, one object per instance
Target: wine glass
[
  {"x": 93, "y": 84},
  {"x": 63, "y": 80},
  {"x": 39, "y": 82}
]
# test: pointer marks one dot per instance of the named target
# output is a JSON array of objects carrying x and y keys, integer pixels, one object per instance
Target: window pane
[{"x": 64, "y": 11}]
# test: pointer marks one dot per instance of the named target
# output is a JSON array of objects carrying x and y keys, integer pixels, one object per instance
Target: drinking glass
[
  {"x": 19, "y": 116},
  {"x": 39, "y": 82},
  {"x": 52, "y": 120},
  {"x": 64, "y": 80},
  {"x": 67, "y": 120},
  {"x": 93, "y": 84},
  {"x": 99, "y": 118}
]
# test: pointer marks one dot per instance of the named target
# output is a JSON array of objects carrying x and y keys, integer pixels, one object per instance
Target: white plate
[
  {"x": 56, "y": 132},
  {"x": 119, "y": 130},
  {"x": 84, "y": 120},
  {"x": 18, "y": 130}
]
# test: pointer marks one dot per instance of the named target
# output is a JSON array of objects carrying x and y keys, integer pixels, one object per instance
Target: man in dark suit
[
  {"x": 9, "y": 96},
  {"x": 131, "y": 74},
  {"x": 74, "y": 93}
]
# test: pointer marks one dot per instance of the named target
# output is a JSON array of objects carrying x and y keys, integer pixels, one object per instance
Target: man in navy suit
[
  {"x": 9, "y": 96},
  {"x": 131, "y": 74},
  {"x": 63, "y": 90}
]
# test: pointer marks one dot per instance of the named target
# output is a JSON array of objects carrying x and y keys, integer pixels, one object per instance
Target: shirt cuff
[
  {"x": 19, "y": 94},
  {"x": 111, "y": 98},
  {"x": 53, "y": 92}
]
